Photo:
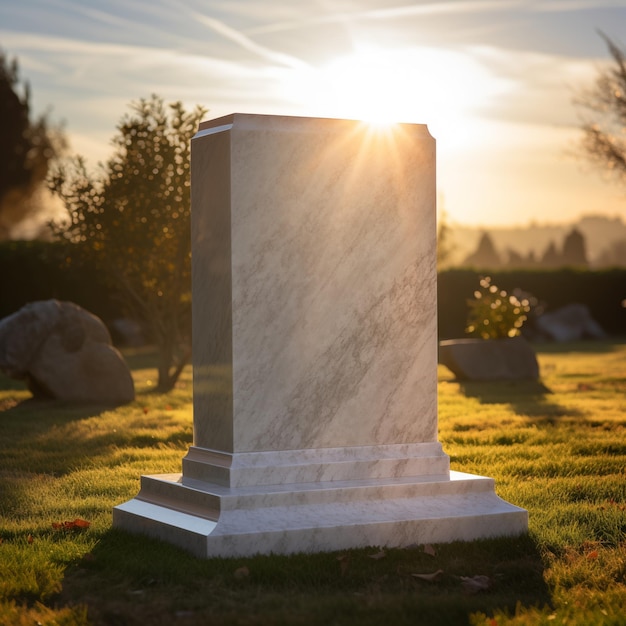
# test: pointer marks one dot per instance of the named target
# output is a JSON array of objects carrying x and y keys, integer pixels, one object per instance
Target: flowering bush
[{"x": 494, "y": 314}]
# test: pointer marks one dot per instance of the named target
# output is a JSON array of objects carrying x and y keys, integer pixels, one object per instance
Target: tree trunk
[{"x": 170, "y": 365}]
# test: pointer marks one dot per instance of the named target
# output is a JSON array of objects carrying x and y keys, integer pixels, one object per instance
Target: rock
[
  {"x": 64, "y": 352},
  {"x": 569, "y": 323},
  {"x": 127, "y": 332},
  {"x": 489, "y": 359}
]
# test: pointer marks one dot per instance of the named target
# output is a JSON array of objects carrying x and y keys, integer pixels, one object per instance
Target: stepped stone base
[{"x": 211, "y": 520}]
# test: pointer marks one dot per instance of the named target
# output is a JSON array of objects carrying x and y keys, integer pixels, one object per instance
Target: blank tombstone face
[{"x": 320, "y": 288}]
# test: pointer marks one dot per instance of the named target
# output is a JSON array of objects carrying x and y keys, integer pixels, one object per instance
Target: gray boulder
[
  {"x": 489, "y": 359},
  {"x": 569, "y": 323},
  {"x": 64, "y": 352}
]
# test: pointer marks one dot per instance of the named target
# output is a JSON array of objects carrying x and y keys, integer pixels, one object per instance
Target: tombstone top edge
[{"x": 249, "y": 121}]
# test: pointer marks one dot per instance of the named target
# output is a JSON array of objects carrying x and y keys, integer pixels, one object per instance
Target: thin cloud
[
  {"x": 540, "y": 85},
  {"x": 242, "y": 40},
  {"x": 93, "y": 14},
  {"x": 391, "y": 13},
  {"x": 557, "y": 6},
  {"x": 102, "y": 53}
]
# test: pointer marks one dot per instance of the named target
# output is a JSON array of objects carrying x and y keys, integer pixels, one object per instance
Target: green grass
[{"x": 557, "y": 448}]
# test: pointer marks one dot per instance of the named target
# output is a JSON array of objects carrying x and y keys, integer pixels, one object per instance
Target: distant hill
[{"x": 600, "y": 232}]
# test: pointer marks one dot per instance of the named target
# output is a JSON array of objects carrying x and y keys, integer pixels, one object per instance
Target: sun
[{"x": 437, "y": 87}]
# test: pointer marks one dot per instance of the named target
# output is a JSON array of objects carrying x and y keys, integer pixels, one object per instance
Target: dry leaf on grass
[
  {"x": 77, "y": 524},
  {"x": 428, "y": 549},
  {"x": 474, "y": 584},
  {"x": 430, "y": 578},
  {"x": 344, "y": 563},
  {"x": 379, "y": 555}
]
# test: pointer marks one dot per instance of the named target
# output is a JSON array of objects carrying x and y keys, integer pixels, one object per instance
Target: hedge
[
  {"x": 37, "y": 270},
  {"x": 603, "y": 292}
]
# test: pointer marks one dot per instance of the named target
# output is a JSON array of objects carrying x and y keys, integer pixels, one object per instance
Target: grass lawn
[{"x": 557, "y": 449}]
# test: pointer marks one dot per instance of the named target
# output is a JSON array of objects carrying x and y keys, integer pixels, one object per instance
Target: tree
[
  {"x": 614, "y": 255},
  {"x": 27, "y": 148},
  {"x": 603, "y": 116},
  {"x": 575, "y": 249},
  {"x": 485, "y": 254},
  {"x": 132, "y": 218},
  {"x": 551, "y": 256},
  {"x": 444, "y": 246}
]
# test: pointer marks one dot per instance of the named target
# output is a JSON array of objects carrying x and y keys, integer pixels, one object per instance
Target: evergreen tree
[
  {"x": 574, "y": 249},
  {"x": 551, "y": 257},
  {"x": 485, "y": 255},
  {"x": 27, "y": 148}
]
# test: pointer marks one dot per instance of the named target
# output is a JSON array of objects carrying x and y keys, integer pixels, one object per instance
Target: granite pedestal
[{"x": 314, "y": 350}]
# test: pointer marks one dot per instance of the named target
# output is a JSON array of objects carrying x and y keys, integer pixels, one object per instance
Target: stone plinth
[{"x": 314, "y": 349}]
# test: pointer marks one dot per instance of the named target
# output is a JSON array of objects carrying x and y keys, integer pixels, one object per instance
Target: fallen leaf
[
  {"x": 76, "y": 524},
  {"x": 30, "y": 539},
  {"x": 344, "y": 563},
  {"x": 379, "y": 555},
  {"x": 592, "y": 555},
  {"x": 81, "y": 523},
  {"x": 431, "y": 578},
  {"x": 241, "y": 572},
  {"x": 428, "y": 549},
  {"x": 474, "y": 584},
  {"x": 145, "y": 409}
]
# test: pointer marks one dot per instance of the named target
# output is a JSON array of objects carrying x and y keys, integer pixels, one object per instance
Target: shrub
[
  {"x": 602, "y": 291},
  {"x": 494, "y": 314}
]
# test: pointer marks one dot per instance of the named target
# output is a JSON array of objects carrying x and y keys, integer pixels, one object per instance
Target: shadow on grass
[
  {"x": 529, "y": 398},
  {"x": 52, "y": 439},
  {"x": 137, "y": 580},
  {"x": 589, "y": 346},
  {"x": 30, "y": 416},
  {"x": 47, "y": 432},
  {"x": 11, "y": 384},
  {"x": 33, "y": 440}
]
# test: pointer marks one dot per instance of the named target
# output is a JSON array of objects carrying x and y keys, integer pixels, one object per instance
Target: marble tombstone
[{"x": 314, "y": 350}]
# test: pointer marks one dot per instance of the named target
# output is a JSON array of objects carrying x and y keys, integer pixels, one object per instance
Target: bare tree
[{"x": 603, "y": 115}]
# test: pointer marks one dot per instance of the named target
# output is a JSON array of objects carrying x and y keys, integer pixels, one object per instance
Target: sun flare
[{"x": 418, "y": 85}]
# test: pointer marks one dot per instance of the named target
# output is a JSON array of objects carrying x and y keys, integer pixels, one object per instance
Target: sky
[{"x": 494, "y": 80}]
